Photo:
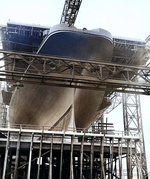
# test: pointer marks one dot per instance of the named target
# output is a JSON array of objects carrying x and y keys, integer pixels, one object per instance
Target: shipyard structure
[{"x": 57, "y": 84}]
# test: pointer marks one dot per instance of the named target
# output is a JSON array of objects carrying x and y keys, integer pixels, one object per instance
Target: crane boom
[{"x": 70, "y": 11}]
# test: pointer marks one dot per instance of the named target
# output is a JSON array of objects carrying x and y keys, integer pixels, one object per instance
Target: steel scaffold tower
[{"x": 133, "y": 122}]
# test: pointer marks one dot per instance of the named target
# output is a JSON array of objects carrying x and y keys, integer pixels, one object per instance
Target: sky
[{"x": 127, "y": 18}]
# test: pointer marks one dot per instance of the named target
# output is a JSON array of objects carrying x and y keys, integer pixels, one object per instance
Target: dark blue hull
[{"x": 78, "y": 45}]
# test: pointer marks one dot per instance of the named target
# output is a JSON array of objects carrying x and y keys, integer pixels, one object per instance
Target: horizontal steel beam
[{"x": 20, "y": 68}]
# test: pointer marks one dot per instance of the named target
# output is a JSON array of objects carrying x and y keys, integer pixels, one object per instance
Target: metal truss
[
  {"x": 22, "y": 68},
  {"x": 70, "y": 11},
  {"x": 130, "y": 52},
  {"x": 116, "y": 100},
  {"x": 133, "y": 122}
]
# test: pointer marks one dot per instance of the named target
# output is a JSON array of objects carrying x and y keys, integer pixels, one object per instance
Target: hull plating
[
  {"x": 42, "y": 105},
  {"x": 77, "y": 45}
]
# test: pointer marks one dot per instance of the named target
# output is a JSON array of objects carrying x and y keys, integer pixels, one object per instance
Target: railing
[{"x": 67, "y": 130}]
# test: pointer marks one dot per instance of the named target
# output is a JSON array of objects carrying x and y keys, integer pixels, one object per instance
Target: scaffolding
[
  {"x": 37, "y": 152},
  {"x": 133, "y": 122},
  {"x": 97, "y": 152}
]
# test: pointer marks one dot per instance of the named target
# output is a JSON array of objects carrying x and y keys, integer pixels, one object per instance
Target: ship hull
[
  {"x": 63, "y": 107},
  {"x": 72, "y": 43},
  {"x": 38, "y": 105}
]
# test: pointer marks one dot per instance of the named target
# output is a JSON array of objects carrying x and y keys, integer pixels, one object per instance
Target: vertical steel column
[
  {"x": 91, "y": 158},
  {"x": 139, "y": 175},
  {"x": 61, "y": 157},
  {"x": 131, "y": 171},
  {"x": 1, "y": 162},
  {"x": 129, "y": 165},
  {"x": 115, "y": 168},
  {"x": 120, "y": 157},
  {"x": 101, "y": 157},
  {"x": 39, "y": 165},
  {"x": 6, "y": 155},
  {"x": 138, "y": 172},
  {"x": 51, "y": 159},
  {"x": 111, "y": 155},
  {"x": 127, "y": 161},
  {"x": 30, "y": 157},
  {"x": 71, "y": 158},
  {"x": 17, "y": 156},
  {"x": 108, "y": 167},
  {"x": 81, "y": 157},
  {"x": 9, "y": 164}
]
